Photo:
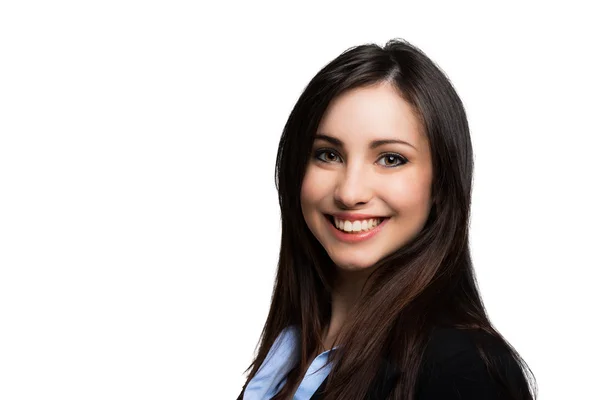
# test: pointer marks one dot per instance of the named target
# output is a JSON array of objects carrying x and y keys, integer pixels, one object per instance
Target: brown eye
[
  {"x": 327, "y": 156},
  {"x": 393, "y": 160}
]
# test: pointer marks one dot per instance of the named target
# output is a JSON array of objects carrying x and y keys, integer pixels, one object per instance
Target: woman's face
[{"x": 370, "y": 165}]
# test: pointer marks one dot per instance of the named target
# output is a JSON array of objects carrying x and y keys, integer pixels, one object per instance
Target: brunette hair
[{"x": 427, "y": 283}]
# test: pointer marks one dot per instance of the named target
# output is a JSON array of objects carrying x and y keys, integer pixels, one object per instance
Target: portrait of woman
[
  {"x": 281, "y": 201},
  {"x": 375, "y": 294}
]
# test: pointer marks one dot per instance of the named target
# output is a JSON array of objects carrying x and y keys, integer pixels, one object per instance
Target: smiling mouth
[{"x": 358, "y": 226}]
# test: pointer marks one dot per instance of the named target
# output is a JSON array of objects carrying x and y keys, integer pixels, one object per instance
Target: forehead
[{"x": 372, "y": 112}]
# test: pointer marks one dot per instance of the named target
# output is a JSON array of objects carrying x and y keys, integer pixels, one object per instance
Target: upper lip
[{"x": 355, "y": 217}]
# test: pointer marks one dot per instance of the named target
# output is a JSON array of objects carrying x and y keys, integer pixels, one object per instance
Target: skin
[{"x": 392, "y": 180}]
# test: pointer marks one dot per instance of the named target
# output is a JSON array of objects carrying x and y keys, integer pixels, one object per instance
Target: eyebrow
[{"x": 374, "y": 144}]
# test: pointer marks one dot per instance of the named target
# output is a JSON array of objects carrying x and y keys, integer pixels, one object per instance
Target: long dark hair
[{"x": 425, "y": 284}]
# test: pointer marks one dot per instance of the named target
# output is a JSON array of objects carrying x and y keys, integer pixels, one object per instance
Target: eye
[
  {"x": 392, "y": 160},
  {"x": 326, "y": 155}
]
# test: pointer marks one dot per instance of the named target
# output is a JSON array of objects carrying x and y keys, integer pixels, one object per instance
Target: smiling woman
[
  {"x": 375, "y": 295},
  {"x": 374, "y": 171}
]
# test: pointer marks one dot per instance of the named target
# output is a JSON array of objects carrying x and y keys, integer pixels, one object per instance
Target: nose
[{"x": 352, "y": 189}]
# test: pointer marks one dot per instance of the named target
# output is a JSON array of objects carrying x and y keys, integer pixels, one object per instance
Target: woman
[{"x": 375, "y": 295}]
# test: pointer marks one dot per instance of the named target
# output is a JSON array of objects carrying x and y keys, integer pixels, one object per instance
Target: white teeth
[
  {"x": 356, "y": 226},
  {"x": 348, "y": 226}
]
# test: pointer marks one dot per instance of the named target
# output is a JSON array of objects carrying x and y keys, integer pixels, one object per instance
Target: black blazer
[{"x": 452, "y": 370}]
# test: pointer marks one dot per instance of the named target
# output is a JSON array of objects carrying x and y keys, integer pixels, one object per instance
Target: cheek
[
  {"x": 306, "y": 192},
  {"x": 313, "y": 187},
  {"x": 410, "y": 194},
  {"x": 311, "y": 194},
  {"x": 308, "y": 195}
]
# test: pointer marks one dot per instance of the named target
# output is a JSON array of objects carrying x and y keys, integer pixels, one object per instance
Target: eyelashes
[
  {"x": 400, "y": 160},
  {"x": 326, "y": 152},
  {"x": 331, "y": 156}
]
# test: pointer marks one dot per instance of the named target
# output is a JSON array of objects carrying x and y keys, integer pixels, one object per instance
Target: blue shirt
[{"x": 282, "y": 357}]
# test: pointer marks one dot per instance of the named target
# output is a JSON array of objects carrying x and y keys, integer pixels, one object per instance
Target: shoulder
[
  {"x": 453, "y": 367},
  {"x": 445, "y": 344}
]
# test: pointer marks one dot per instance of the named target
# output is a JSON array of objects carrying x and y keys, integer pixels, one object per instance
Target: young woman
[{"x": 375, "y": 294}]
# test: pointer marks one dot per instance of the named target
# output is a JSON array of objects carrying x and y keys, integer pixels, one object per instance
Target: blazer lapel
[{"x": 379, "y": 389}]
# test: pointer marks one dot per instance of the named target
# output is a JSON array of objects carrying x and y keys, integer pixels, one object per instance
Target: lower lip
[{"x": 354, "y": 237}]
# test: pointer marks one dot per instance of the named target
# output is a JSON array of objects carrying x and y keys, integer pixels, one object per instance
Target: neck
[{"x": 346, "y": 291}]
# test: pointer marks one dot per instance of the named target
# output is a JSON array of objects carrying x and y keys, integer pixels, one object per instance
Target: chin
[{"x": 353, "y": 264}]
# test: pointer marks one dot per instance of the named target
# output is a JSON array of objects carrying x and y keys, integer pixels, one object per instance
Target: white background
[{"x": 139, "y": 223}]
